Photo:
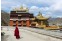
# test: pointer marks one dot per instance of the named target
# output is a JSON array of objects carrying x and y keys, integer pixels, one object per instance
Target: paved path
[{"x": 26, "y": 36}]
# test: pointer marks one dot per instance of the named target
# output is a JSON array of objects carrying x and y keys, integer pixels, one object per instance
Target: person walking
[{"x": 16, "y": 32}]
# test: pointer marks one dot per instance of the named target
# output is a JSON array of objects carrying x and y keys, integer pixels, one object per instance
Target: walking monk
[{"x": 16, "y": 32}]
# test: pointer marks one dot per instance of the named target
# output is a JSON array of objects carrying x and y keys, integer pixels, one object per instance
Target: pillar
[
  {"x": 28, "y": 23},
  {"x": 22, "y": 23}
]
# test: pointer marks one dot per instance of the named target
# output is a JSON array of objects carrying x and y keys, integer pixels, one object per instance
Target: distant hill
[
  {"x": 4, "y": 18},
  {"x": 55, "y": 21}
]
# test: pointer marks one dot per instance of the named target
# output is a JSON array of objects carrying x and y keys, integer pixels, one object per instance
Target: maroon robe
[{"x": 16, "y": 33}]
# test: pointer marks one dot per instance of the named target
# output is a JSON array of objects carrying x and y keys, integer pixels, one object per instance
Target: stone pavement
[{"x": 26, "y": 36}]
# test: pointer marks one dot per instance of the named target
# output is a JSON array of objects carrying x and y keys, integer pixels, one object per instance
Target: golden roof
[
  {"x": 40, "y": 17},
  {"x": 21, "y": 9}
]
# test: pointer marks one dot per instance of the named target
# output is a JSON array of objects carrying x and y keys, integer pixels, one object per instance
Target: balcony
[
  {"x": 24, "y": 18},
  {"x": 13, "y": 19}
]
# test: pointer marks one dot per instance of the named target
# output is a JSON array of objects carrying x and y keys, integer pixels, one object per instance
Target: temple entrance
[
  {"x": 24, "y": 23},
  {"x": 19, "y": 23}
]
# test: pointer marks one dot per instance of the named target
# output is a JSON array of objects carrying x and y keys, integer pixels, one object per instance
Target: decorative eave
[
  {"x": 19, "y": 19},
  {"x": 42, "y": 18}
]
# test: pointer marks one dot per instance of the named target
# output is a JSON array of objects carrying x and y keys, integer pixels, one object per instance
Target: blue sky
[{"x": 48, "y": 8}]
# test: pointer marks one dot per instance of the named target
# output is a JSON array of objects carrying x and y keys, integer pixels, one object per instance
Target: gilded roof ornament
[
  {"x": 27, "y": 9},
  {"x": 39, "y": 16},
  {"x": 21, "y": 7}
]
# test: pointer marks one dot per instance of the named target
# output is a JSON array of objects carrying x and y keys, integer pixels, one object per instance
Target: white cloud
[
  {"x": 54, "y": 7},
  {"x": 34, "y": 9},
  {"x": 59, "y": 16},
  {"x": 44, "y": 9}
]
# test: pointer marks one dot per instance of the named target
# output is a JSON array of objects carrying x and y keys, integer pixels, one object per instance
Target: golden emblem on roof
[
  {"x": 21, "y": 8},
  {"x": 39, "y": 16}
]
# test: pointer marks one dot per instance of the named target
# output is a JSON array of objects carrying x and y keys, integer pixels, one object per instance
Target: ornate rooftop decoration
[
  {"x": 40, "y": 17},
  {"x": 21, "y": 9}
]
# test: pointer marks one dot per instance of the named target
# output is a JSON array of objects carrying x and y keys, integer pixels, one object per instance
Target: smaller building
[{"x": 40, "y": 21}]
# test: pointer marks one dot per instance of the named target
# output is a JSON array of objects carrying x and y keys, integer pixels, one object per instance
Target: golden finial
[
  {"x": 21, "y": 7},
  {"x": 27, "y": 9},
  {"x": 40, "y": 14}
]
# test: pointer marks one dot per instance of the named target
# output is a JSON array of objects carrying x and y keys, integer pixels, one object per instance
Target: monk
[{"x": 16, "y": 32}]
